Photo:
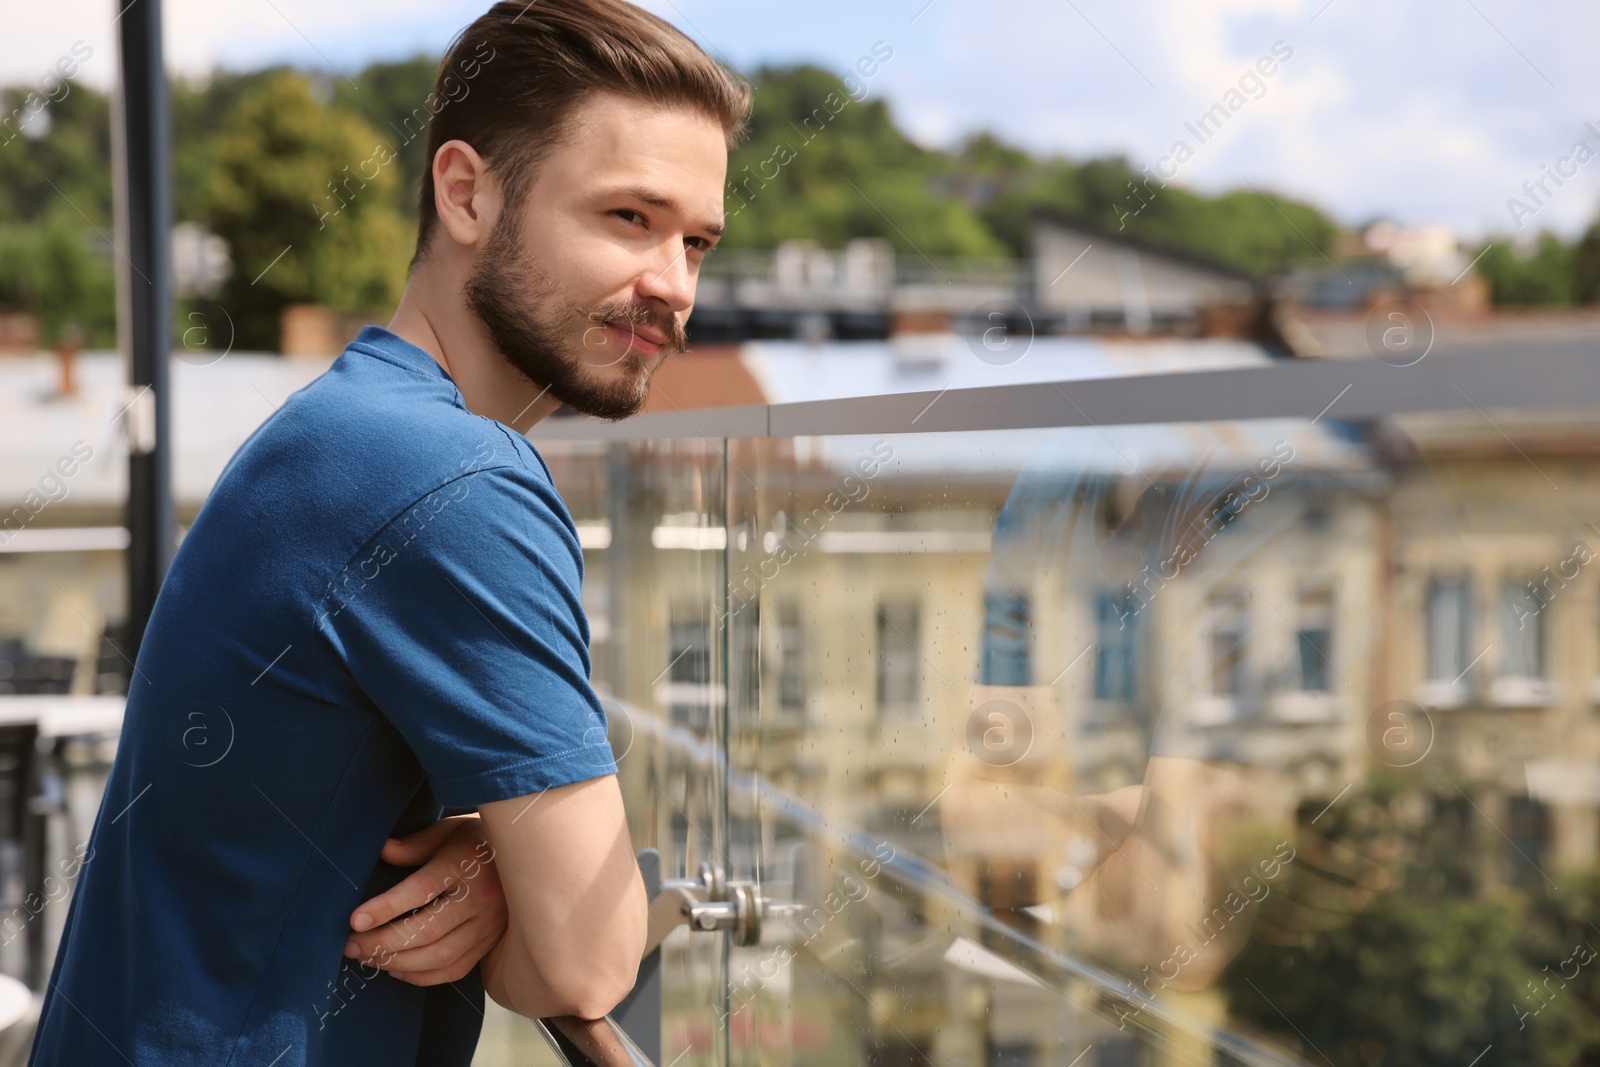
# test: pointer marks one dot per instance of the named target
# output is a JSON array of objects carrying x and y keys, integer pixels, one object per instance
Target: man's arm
[
  {"x": 577, "y": 910},
  {"x": 471, "y": 641},
  {"x": 436, "y": 925}
]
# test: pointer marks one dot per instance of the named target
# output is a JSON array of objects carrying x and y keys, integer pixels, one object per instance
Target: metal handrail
[
  {"x": 1554, "y": 374},
  {"x": 914, "y": 873},
  {"x": 591, "y": 1042}
]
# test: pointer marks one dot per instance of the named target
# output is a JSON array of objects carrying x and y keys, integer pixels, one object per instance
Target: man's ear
[{"x": 466, "y": 199}]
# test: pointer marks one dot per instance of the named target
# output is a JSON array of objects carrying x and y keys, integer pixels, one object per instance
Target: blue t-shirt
[{"x": 375, "y": 616}]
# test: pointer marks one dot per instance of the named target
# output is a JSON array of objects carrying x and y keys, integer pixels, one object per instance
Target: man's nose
[{"x": 670, "y": 281}]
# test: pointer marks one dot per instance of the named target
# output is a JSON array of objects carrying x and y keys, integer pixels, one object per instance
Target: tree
[
  {"x": 1586, "y": 266},
  {"x": 69, "y": 166},
  {"x": 305, "y": 196},
  {"x": 1258, "y": 233},
  {"x": 201, "y": 111},
  {"x": 55, "y": 198},
  {"x": 820, "y": 165},
  {"x": 386, "y": 95},
  {"x": 1429, "y": 971},
  {"x": 57, "y": 270},
  {"x": 1543, "y": 275}
]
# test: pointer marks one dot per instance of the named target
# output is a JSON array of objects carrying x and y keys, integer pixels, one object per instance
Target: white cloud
[{"x": 1424, "y": 112}]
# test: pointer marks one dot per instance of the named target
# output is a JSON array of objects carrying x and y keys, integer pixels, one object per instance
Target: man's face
[{"x": 586, "y": 284}]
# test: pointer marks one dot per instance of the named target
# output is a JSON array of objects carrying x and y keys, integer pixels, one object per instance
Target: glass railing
[
  {"x": 1256, "y": 740},
  {"x": 1242, "y": 716}
]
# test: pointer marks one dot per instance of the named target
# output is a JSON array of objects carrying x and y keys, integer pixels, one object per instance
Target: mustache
[{"x": 611, "y": 314}]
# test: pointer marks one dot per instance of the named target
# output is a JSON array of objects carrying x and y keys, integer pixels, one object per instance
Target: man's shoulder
[
  {"x": 495, "y": 524},
  {"x": 471, "y": 481},
  {"x": 371, "y": 411},
  {"x": 500, "y": 500},
  {"x": 361, "y": 448},
  {"x": 383, "y": 427}
]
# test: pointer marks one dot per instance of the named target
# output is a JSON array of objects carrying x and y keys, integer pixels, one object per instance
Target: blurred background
[{"x": 1054, "y": 677}]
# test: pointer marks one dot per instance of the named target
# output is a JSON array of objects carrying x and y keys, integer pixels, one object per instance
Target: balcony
[{"x": 849, "y": 651}]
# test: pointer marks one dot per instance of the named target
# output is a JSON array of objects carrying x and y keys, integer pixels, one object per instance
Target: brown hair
[{"x": 527, "y": 64}]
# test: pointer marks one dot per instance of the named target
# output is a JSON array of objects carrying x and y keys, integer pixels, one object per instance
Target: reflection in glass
[
  {"x": 1228, "y": 629},
  {"x": 1229, "y": 743},
  {"x": 899, "y": 673},
  {"x": 1116, "y": 646},
  {"x": 1315, "y": 645},
  {"x": 1522, "y": 630},
  {"x": 1449, "y": 631},
  {"x": 789, "y": 652}
]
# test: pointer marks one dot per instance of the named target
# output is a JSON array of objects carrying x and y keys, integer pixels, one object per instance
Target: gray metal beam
[{"x": 1545, "y": 375}]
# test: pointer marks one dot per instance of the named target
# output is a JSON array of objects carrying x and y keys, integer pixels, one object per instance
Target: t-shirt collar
[{"x": 377, "y": 341}]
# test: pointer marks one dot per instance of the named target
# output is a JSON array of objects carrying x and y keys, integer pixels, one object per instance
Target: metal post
[
  {"x": 640, "y": 1011},
  {"x": 147, "y": 207}
]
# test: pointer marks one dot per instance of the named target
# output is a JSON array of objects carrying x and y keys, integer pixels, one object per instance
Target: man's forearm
[
  {"x": 574, "y": 974},
  {"x": 576, "y": 901},
  {"x": 512, "y": 981}
]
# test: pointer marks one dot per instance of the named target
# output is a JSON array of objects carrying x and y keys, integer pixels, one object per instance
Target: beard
[{"x": 532, "y": 321}]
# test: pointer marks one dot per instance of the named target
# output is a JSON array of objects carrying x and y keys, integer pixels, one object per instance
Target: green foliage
[
  {"x": 254, "y": 153},
  {"x": 1006, "y": 197},
  {"x": 201, "y": 110},
  {"x": 1428, "y": 972},
  {"x": 1257, "y": 233},
  {"x": 53, "y": 269},
  {"x": 386, "y": 95},
  {"x": 1586, "y": 266},
  {"x": 306, "y": 194},
  {"x": 1544, "y": 276},
  {"x": 69, "y": 167},
  {"x": 820, "y": 165}
]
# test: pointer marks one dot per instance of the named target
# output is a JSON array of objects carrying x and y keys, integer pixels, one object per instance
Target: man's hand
[{"x": 463, "y": 907}]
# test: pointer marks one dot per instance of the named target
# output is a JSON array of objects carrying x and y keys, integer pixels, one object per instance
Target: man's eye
[
  {"x": 626, "y": 212},
  {"x": 701, "y": 243}
]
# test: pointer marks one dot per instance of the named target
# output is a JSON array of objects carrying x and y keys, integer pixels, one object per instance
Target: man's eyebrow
[{"x": 666, "y": 203}]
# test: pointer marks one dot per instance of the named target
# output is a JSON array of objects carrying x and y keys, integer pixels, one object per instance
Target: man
[{"x": 376, "y": 616}]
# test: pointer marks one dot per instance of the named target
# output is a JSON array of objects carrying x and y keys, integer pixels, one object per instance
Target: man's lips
[{"x": 646, "y": 341}]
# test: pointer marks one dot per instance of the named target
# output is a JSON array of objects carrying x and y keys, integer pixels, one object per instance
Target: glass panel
[
  {"x": 1315, "y": 629},
  {"x": 1522, "y": 628},
  {"x": 1116, "y": 647},
  {"x": 652, "y": 524},
  {"x": 1265, "y": 742},
  {"x": 898, "y": 648},
  {"x": 1262, "y": 742}
]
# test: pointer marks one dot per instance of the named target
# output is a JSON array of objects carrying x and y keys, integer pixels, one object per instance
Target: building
[{"x": 1088, "y": 678}]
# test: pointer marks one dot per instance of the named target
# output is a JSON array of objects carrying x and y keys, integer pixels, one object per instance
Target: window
[
  {"x": 1228, "y": 625},
  {"x": 1522, "y": 624},
  {"x": 791, "y": 656},
  {"x": 1116, "y": 629},
  {"x": 1520, "y": 680},
  {"x": 689, "y": 666},
  {"x": 1007, "y": 639},
  {"x": 899, "y": 655},
  {"x": 1449, "y": 615},
  {"x": 1314, "y": 627}
]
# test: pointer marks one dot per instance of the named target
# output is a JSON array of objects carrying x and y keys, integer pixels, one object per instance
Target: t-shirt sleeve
[{"x": 462, "y": 621}]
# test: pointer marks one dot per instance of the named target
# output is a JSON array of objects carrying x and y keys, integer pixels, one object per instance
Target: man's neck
[{"x": 456, "y": 339}]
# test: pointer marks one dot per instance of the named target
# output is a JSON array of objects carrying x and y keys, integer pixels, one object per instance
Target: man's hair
[{"x": 526, "y": 65}]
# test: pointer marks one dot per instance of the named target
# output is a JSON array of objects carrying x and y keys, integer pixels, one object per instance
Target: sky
[{"x": 1424, "y": 112}]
